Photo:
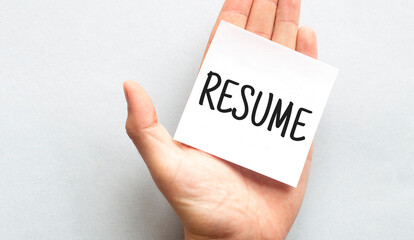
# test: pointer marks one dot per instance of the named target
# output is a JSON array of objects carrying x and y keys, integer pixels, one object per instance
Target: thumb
[{"x": 152, "y": 140}]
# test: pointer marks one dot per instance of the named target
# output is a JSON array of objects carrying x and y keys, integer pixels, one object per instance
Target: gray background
[{"x": 69, "y": 171}]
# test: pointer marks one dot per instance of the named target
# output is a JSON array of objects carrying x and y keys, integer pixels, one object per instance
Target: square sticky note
[{"x": 256, "y": 103}]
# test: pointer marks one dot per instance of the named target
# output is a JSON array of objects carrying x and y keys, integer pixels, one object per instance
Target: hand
[{"x": 213, "y": 198}]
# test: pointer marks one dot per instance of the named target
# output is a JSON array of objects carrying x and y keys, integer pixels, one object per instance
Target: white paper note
[{"x": 245, "y": 76}]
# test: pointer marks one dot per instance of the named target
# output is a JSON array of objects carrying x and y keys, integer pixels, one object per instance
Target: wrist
[{"x": 191, "y": 236}]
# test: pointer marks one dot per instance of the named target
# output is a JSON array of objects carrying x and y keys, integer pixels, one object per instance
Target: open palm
[{"x": 216, "y": 199}]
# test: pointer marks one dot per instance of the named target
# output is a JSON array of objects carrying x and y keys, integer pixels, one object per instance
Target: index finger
[{"x": 235, "y": 12}]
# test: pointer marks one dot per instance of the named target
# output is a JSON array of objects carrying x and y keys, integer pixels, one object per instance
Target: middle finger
[{"x": 262, "y": 17}]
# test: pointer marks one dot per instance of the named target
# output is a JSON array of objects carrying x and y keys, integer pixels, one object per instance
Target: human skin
[{"x": 213, "y": 198}]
